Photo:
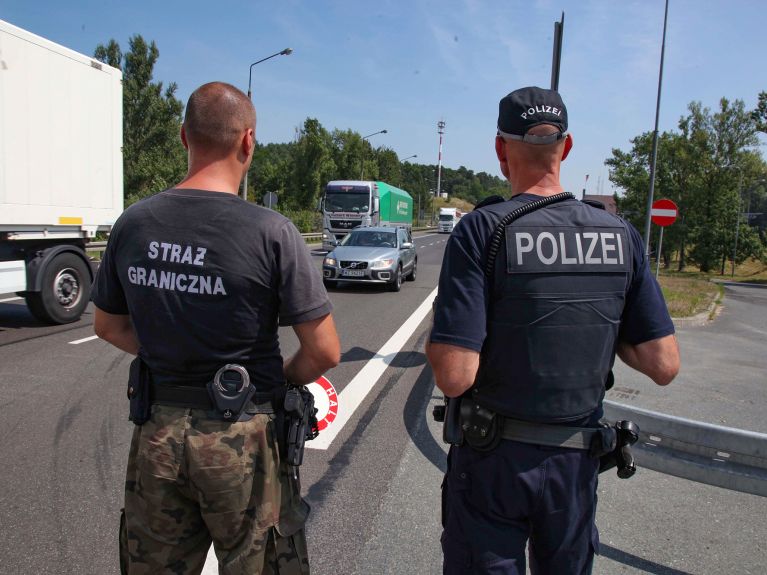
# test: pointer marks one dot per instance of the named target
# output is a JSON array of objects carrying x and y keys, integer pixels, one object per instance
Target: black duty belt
[
  {"x": 196, "y": 397},
  {"x": 548, "y": 434}
]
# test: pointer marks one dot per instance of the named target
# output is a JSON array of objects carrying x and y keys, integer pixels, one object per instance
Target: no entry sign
[
  {"x": 325, "y": 400},
  {"x": 663, "y": 212}
]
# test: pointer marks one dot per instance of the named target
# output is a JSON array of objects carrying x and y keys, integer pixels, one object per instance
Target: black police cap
[{"x": 529, "y": 107}]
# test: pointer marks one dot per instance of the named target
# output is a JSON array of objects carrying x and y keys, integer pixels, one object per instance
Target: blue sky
[{"x": 404, "y": 66}]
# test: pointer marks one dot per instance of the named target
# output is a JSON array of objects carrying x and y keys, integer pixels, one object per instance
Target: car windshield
[
  {"x": 338, "y": 201},
  {"x": 371, "y": 239},
  {"x": 446, "y": 217}
]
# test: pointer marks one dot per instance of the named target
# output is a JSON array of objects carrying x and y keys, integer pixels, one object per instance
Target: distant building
[{"x": 608, "y": 201}]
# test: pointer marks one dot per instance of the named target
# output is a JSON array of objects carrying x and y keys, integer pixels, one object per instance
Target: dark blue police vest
[{"x": 556, "y": 300}]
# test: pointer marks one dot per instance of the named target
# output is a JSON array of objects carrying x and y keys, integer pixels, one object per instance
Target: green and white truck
[{"x": 349, "y": 204}]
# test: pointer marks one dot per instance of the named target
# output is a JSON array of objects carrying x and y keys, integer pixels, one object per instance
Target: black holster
[
  {"x": 296, "y": 422},
  {"x": 626, "y": 435},
  {"x": 139, "y": 382},
  {"x": 481, "y": 427},
  {"x": 449, "y": 414}
]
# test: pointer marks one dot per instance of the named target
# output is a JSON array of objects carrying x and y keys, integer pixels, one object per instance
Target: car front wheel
[
  {"x": 396, "y": 284},
  {"x": 412, "y": 275}
]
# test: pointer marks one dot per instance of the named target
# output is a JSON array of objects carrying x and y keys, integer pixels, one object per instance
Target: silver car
[{"x": 383, "y": 255}]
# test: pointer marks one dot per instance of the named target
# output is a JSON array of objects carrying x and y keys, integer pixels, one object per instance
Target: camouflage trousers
[{"x": 192, "y": 480}]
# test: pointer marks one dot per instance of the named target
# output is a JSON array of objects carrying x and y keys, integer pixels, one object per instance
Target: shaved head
[
  {"x": 538, "y": 155},
  {"x": 216, "y": 117}
]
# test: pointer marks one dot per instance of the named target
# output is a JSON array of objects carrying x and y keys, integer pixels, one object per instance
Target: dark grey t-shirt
[{"x": 206, "y": 278}]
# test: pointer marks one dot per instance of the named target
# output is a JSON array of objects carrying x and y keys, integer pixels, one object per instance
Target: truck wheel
[
  {"x": 396, "y": 285},
  {"x": 330, "y": 283},
  {"x": 412, "y": 275},
  {"x": 66, "y": 290}
]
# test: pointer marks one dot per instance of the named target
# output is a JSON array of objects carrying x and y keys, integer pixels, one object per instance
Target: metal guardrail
[
  {"x": 726, "y": 457},
  {"x": 101, "y": 246},
  {"x": 308, "y": 238},
  {"x": 713, "y": 454}
]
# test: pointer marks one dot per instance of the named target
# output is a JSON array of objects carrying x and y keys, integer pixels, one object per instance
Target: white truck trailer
[
  {"x": 61, "y": 170},
  {"x": 448, "y": 219}
]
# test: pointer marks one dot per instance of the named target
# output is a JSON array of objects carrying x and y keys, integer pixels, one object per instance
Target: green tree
[
  {"x": 153, "y": 157},
  {"x": 759, "y": 115},
  {"x": 313, "y": 165},
  {"x": 270, "y": 171},
  {"x": 389, "y": 166},
  {"x": 702, "y": 168},
  {"x": 347, "y": 154}
]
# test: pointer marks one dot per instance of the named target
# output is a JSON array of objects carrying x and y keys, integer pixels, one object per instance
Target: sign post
[
  {"x": 663, "y": 213},
  {"x": 270, "y": 199}
]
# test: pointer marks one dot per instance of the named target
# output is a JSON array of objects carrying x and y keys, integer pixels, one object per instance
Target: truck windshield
[
  {"x": 446, "y": 217},
  {"x": 338, "y": 201},
  {"x": 371, "y": 239}
]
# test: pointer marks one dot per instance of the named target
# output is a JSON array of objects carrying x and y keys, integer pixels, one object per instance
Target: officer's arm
[
  {"x": 658, "y": 358},
  {"x": 454, "y": 367},
  {"x": 117, "y": 330},
  {"x": 320, "y": 350}
]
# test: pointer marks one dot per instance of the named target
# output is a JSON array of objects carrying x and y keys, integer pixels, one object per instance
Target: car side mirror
[
  {"x": 406, "y": 245},
  {"x": 329, "y": 238}
]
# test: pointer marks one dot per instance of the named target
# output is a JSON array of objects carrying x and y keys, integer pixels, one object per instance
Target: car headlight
[
  {"x": 329, "y": 262},
  {"x": 378, "y": 264}
]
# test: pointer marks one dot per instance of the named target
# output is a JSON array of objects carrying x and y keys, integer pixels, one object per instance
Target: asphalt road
[{"x": 375, "y": 490}]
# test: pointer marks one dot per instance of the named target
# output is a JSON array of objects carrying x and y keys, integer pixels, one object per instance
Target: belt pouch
[
  {"x": 481, "y": 427},
  {"x": 138, "y": 392}
]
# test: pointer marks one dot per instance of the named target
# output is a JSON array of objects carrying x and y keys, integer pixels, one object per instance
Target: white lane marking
[
  {"x": 211, "y": 563},
  {"x": 83, "y": 340},
  {"x": 424, "y": 236},
  {"x": 10, "y": 299},
  {"x": 355, "y": 392}
]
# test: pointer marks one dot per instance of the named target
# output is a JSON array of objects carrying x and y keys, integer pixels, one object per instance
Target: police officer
[
  {"x": 529, "y": 343},
  {"x": 194, "y": 279}
]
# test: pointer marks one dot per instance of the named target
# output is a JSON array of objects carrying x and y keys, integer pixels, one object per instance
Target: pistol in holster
[
  {"x": 296, "y": 422},
  {"x": 626, "y": 434},
  {"x": 139, "y": 381},
  {"x": 449, "y": 414}
]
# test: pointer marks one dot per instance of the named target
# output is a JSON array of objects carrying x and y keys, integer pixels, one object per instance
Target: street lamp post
[
  {"x": 362, "y": 167},
  {"x": 737, "y": 215},
  {"x": 285, "y": 52},
  {"x": 409, "y": 157},
  {"x": 654, "y": 152}
]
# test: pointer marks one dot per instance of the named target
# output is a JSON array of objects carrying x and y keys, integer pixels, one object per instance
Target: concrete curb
[
  {"x": 741, "y": 284},
  {"x": 714, "y": 309},
  {"x": 700, "y": 319}
]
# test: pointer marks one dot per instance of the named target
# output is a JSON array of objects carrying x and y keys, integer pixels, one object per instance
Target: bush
[{"x": 307, "y": 221}]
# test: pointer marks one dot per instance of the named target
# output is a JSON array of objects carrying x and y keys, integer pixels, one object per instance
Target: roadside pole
[
  {"x": 660, "y": 253},
  {"x": 662, "y": 213}
]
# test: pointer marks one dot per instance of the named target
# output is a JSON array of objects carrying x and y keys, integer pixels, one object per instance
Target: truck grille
[
  {"x": 354, "y": 265},
  {"x": 344, "y": 224}
]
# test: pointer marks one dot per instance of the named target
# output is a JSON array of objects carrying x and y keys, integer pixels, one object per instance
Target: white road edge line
[
  {"x": 355, "y": 392},
  {"x": 83, "y": 340},
  {"x": 357, "y": 389},
  {"x": 10, "y": 299}
]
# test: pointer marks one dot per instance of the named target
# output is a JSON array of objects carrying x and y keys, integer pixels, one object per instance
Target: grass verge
[{"x": 689, "y": 293}]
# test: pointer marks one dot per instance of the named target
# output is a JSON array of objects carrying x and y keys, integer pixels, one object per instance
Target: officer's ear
[
  {"x": 249, "y": 141},
  {"x": 183, "y": 138},
  {"x": 500, "y": 151},
  {"x": 568, "y": 146}
]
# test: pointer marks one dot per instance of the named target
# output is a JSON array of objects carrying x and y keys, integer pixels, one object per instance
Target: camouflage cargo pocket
[{"x": 294, "y": 510}]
